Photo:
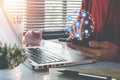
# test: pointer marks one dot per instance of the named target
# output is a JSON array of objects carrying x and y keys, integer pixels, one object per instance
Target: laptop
[
  {"x": 7, "y": 33},
  {"x": 46, "y": 56}
]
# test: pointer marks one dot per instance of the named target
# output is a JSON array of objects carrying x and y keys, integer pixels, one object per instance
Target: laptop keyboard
[{"x": 43, "y": 56}]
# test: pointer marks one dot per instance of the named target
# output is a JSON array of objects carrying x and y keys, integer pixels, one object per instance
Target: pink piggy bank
[{"x": 33, "y": 38}]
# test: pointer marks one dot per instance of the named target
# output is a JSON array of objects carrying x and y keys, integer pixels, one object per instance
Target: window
[
  {"x": 35, "y": 14},
  {"x": 15, "y": 10}
]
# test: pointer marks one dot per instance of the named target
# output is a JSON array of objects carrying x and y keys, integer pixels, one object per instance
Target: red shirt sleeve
[{"x": 105, "y": 14}]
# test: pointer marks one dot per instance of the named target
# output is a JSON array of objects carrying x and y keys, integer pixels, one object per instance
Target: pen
[{"x": 86, "y": 75}]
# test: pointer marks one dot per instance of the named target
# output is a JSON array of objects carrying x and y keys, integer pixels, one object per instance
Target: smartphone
[{"x": 84, "y": 42}]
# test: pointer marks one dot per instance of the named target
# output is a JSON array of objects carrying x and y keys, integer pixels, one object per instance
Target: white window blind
[
  {"x": 15, "y": 11},
  {"x": 34, "y": 14}
]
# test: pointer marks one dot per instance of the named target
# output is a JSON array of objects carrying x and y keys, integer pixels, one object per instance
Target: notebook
[
  {"x": 48, "y": 55},
  {"x": 111, "y": 72}
]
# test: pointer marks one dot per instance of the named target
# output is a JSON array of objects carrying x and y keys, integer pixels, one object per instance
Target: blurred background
[{"x": 50, "y": 15}]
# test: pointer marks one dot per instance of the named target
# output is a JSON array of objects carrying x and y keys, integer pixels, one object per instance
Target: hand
[
  {"x": 79, "y": 29},
  {"x": 99, "y": 50}
]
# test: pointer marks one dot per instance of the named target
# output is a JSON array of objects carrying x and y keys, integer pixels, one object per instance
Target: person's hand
[
  {"x": 99, "y": 50},
  {"x": 79, "y": 29}
]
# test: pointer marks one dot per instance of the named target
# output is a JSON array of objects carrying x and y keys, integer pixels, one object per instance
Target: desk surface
[{"x": 29, "y": 74}]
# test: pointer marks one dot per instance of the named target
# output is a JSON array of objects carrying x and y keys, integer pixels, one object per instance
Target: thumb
[{"x": 96, "y": 44}]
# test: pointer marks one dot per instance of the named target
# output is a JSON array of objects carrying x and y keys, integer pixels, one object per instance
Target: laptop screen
[{"x": 7, "y": 33}]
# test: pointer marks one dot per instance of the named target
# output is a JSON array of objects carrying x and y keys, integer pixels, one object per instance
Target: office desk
[{"x": 29, "y": 74}]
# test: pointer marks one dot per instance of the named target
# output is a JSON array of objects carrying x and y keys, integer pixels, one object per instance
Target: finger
[
  {"x": 84, "y": 52},
  {"x": 92, "y": 56},
  {"x": 71, "y": 35},
  {"x": 73, "y": 29},
  {"x": 77, "y": 30},
  {"x": 95, "y": 44},
  {"x": 110, "y": 45},
  {"x": 85, "y": 49},
  {"x": 75, "y": 47},
  {"x": 77, "y": 26},
  {"x": 96, "y": 56},
  {"x": 81, "y": 28},
  {"x": 70, "y": 46},
  {"x": 79, "y": 21},
  {"x": 105, "y": 45},
  {"x": 88, "y": 54}
]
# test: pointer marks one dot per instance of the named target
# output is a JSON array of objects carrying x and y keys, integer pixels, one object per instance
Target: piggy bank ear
[
  {"x": 32, "y": 32},
  {"x": 40, "y": 32}
]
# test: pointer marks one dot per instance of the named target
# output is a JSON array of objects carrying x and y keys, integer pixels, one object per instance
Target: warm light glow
[
  {"x": 12, "y": 3},
  {"x": 15, "y": 9}
]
